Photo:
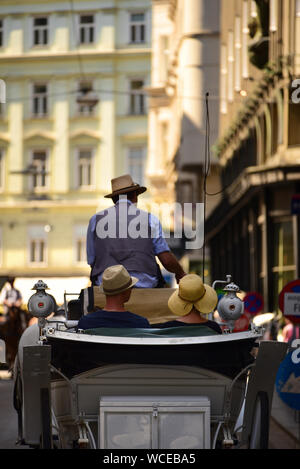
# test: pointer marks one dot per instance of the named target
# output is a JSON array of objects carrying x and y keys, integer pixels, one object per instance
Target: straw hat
[
  {"x": 115, "y": 280},
  {"x": 123, "y": 185},
  {"x": 192, "y": 292}
]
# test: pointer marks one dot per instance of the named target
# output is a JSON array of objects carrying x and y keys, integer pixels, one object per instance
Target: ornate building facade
[
  {"x": 254, "y": 230},
  {"x": 185, "y": 65},
  {"x": 75, "y": 116}
]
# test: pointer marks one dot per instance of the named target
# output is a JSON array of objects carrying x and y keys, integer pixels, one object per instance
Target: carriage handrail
[{"x": 228, "y": 401}]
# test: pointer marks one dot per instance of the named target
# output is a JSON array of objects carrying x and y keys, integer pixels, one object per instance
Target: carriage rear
[{"x": 177, "y": 388}]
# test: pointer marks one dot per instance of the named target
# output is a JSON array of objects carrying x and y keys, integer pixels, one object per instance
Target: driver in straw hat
[
  {"x": 117, "y": 284},
  {"x": 190, "y": 302},
  {"x": 107, "y": 247}
]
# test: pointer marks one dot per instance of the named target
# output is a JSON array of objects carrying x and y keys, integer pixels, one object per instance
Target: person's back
[
  {"x": 10, "y": 296},
  {"x": 112, "y": 319},
  {"x": 116, "y": 285},
  {"x": 124, "y": 234}
]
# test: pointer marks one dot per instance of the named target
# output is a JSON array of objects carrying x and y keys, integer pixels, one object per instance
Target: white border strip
[{"x": 79, "y": 337}]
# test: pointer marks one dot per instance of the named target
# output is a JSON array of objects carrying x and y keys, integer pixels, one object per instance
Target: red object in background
[
  {"x": 242, "y": 324},
  {"x": 291, "y": 287}
]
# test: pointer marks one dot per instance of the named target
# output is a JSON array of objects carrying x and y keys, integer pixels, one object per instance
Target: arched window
[{"x": 274, "y": 126}]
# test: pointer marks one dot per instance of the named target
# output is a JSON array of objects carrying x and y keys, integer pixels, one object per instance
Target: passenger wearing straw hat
[
  {"x": 116, "y": 285},
  {"x": 190, "y": 302},
  {"x": 118, "y": 246}
]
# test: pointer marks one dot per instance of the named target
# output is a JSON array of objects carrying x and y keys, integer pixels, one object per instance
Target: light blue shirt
[{"x": 159, "y": 245}]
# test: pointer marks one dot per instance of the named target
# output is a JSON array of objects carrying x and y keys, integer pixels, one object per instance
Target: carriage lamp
[
  {"x": 41, "y": 304},
  {"x": 230, "y": 307}
]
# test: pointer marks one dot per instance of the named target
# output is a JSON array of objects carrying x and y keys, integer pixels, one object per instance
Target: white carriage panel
[
  {"x": 88, "y": 394},
  {"x": 61, "y": 399},
  {"x": 128, "y": 380},
  {"x": 154, "y": 422}
]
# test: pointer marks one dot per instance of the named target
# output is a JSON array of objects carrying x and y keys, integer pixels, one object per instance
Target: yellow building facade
[{"x": 75, "y": 116}]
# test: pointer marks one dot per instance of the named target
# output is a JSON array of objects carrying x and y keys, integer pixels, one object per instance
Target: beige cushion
[{"x": 151, "y": 303}]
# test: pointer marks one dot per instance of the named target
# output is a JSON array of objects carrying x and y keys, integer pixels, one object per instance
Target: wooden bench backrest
[{"x": 151, "y": 303}]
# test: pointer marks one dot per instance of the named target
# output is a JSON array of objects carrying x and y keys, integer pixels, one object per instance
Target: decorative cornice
[
  {"x": 85, "y": 133},
  {"x": 245, "y": 116},
  {"x": 39, "y": 134},
  {"x": 70, "y": 55}
]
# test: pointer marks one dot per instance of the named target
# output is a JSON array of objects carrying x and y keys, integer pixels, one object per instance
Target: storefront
[{"x": 256, "y": 240}]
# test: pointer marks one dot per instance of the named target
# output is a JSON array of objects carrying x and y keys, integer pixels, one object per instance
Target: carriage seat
[
  {"x": 151, "y": 303},
  {"x": 170, "y": 332}
]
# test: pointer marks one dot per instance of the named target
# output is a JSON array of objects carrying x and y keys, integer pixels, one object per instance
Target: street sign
[
  {"x": 289, "y": 301},
  {"x": 295, "y": 204},
  {"x": 288, "y": 381},
  {"x": 253, "y": 303}
]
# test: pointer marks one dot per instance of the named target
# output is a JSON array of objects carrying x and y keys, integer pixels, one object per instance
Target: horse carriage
[{"x": 174, "y": 388}]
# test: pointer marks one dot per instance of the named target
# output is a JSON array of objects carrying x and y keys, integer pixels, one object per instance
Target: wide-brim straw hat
[
  {"x": 124, "y": 185},
  {"x": 116, "y": 279},
  {"x": 192, "y": 292}
]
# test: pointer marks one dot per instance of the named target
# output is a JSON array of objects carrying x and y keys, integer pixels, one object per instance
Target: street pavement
[
  {"x": 8, "y": 415},
  {"x": 281, "y": 439}
]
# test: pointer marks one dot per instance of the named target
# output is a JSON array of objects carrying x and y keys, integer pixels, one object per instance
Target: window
[
  {"x": 1, "y": 246},
  {"x": 80, "y": 244},
  {"x": 37, "y": 250},
  {"x": 186, "y": 191},
  {"x": 164, "y": 140},
  {"x": 238, "y": 46},
  {"x": 1, "y": 32},
  {"x": 253, "y": 9},
  {"x": 294, "y": 116},
  {"x": 39, "y": 169},
  {"x": 298, "y": 8},
  {"x": 136, "y": 163},
  {"x": 223, "y": 91},
  {"x": 80, "y": 250},
  {"x": 164, "y": 58},
  {"x": 2, "y": 110},
  {"x": 245, "y": 30},
  {"x": 230, "y": 66},
  {"x": 86, "y": 99},
  {"x": 284, "y": 268},
  {"x": 40, "y": 31},
  {"x": 37, "y": 244},
  {"x": 40, "y": 100},
  {"x": 85, "y": 168},
  {"x": 137, "y": 98},
  {"x": 86, "y": 29},
  {"x": 137, "y": 28},
  {"x": 273, "y": 15}
]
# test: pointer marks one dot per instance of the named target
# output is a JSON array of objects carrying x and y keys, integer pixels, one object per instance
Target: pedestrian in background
[{"x": 10, "y": 296}]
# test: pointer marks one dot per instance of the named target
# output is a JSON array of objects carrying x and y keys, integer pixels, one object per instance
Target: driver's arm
[{"x": 171, "y": 264}]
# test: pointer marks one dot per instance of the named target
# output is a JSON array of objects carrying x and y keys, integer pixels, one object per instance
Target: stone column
[
  {"x": 60, "y": 164},
  {"x": 16, "y": 162}
]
